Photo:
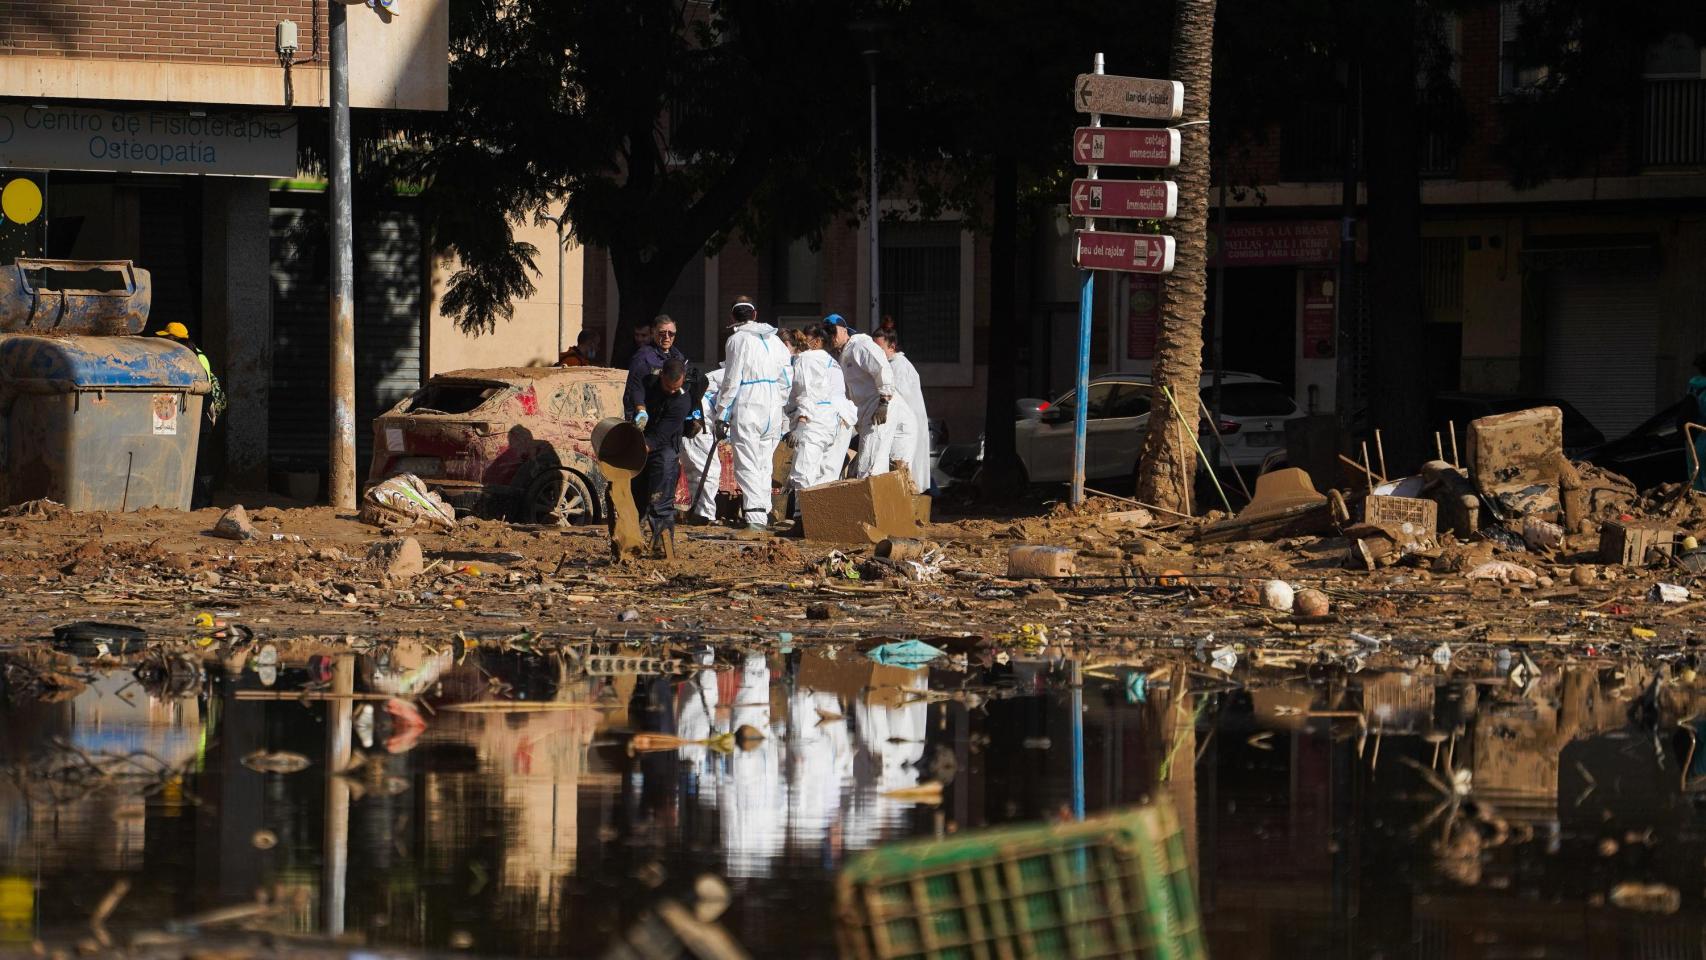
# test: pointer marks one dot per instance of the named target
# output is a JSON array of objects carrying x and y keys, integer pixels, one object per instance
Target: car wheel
[{"x": 560, "y": 497}]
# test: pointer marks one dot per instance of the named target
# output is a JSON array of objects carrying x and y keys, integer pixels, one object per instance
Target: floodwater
[{"x": 1327, "y": 814}]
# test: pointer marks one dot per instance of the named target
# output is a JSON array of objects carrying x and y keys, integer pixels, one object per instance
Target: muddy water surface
[{"x": 1364, "y": 815}]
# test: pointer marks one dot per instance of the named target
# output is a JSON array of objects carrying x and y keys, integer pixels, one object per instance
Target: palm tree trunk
[{"x": 1169, "y": 457}]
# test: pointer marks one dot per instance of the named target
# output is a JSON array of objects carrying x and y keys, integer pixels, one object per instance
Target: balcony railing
[{"x": 1673, "y": 123}]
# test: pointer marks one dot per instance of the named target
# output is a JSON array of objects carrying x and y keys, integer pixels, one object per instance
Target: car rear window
[
  {"x": 1254, "y": 400},
  {"x": 452, "y": 397}
]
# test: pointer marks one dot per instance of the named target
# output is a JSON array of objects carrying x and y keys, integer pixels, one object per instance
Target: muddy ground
[{"x": 1139, "y": 584}]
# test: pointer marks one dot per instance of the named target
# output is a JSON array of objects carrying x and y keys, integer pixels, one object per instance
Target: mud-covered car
[{"x": 512, "y": 443}]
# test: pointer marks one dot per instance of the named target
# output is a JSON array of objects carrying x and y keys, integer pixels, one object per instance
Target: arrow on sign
[
  {"x": 1080, "y": 196},
  {"x": 1084, "y": 94}
]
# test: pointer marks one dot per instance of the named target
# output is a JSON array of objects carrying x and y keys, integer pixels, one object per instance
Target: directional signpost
[
  {"x": 1092, "y": 197},
  {"x": 1142, "y": 199}
]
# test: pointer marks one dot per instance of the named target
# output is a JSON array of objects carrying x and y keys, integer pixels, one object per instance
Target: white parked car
[{"x": 1253, "y": 412}]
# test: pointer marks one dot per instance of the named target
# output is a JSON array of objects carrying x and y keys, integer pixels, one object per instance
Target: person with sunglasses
[{"x": 648, "y": 360}]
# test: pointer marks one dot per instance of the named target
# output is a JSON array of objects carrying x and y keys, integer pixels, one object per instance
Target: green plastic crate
[{"x": 1118, "y": 885}]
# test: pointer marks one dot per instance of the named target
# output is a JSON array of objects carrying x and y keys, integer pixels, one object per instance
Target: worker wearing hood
[{"x": 757, "y": 376}]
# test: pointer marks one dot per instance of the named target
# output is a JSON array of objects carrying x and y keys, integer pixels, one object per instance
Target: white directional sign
[
  {"x": 1136, "y": 199},
  {"x": 1128, "y": 96}
]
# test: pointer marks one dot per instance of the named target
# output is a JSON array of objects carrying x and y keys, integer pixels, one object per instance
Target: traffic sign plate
[
  {"x": 1126, "y": 147},
  {"x": 1128, "y": 96},
  {"x": 1137, "y": 199},
  {"x": 1128, "y": 252}
]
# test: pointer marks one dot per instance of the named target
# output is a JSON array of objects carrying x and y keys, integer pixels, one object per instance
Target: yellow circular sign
[{"x": 21, "y": 201}]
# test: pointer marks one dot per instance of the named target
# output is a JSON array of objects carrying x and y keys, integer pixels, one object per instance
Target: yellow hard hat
[{"x": 177, "y": 330}]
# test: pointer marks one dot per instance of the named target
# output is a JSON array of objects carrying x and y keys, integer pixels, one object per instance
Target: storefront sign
[
  {"x": 147, "y": 141},
  {"x": 1142, "y": 315},
  {"x": 1275, "y": 243},
  {"x": 1319, "y": 297}
]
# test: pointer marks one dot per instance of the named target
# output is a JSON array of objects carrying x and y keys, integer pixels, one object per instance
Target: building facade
[
  {"x": 168, "y": 132},
  {"x": 1588, "y": 289}
]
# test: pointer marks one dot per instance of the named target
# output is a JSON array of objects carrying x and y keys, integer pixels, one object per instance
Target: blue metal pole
[
  {"x": 1086, "y": 297},
  {"x": 1078, "y": 708}
]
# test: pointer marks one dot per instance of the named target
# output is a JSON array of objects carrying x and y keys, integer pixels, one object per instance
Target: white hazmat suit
[
  {"x": 756, "y": 379},
  {"x": 908, "y": 387},
  {"x": 695, "y": 451},
  {"x": 820, "y": 398},
  {"x": 870, "y": 380}
]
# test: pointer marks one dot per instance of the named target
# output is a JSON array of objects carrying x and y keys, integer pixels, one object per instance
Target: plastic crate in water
[{"x": 1115, "y": 886}]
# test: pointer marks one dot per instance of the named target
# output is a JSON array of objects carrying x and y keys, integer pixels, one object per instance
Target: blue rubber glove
[{"x": 641, "y": 419}]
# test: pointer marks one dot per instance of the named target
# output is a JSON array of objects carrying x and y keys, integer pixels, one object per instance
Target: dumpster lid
[{"x": 100, "y": 362}]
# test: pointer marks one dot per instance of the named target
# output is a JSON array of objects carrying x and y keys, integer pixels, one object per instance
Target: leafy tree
[{"x": 667, "y": 124}]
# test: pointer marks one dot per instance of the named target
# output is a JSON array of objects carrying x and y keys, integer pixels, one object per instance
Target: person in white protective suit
[
  {"x": 757, "y": 376},
  {"x": 885, "y": 428},
  {"x": 823, "y": 416},
  {"x": 908, "y": 387},
  {"x": 696, "y": 451}
]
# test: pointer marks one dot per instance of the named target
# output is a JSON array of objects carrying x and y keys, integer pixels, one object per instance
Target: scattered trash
[
  {"x": 1137, "y": 688},
  {"x": 1505, "y": 572},
  {"x": 1224, "y": 659},
  {"x": 904, "y": 653},
  {"x": 87, "y": 638},
  {"x": 1442, "y": 655},
  {"x": 1542, "y": 536},
  {"x": 263, "y": 840},
  {"x": 1032, "y": 560},
  {"x": 1311, "y": 603},
  {"x": 403, "y": 501},
  {"x": 1635, "y": 544},
  {"x": 1668, "y": 593},
  {"x": 1278, "y": 595}
]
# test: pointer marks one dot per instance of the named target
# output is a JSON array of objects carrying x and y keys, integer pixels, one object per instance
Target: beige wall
[
  {"x": 402, "y": 64},
  {"x": 529, "y": 338}
]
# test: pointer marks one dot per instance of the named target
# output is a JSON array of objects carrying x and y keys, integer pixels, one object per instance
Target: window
[
  {"x": 1105, "y": 401},
  {"x": 920, "y": 277},
  {"x": 1442, "y": 279},
  {"x": 1515, "y": 74},
  {"x": 1132, "y": 400},
  {"x": 797, "y": 268},
  {"x": 1677, "y": 55}
]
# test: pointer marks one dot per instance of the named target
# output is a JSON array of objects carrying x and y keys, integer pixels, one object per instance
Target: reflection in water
[{"x": 1378, "y": 813}]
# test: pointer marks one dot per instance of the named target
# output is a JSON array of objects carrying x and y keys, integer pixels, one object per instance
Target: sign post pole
[{"x": 1081, "y": 409}]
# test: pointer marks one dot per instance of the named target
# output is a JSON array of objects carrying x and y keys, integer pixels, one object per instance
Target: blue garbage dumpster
[{"x": 99, "y": 422}]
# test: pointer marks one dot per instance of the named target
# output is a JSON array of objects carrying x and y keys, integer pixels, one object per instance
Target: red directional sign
[
  {"x": 1129, "y": 252},
  {"x": 1137, "y": 199},
  {"x": 1126, "y": 147}
]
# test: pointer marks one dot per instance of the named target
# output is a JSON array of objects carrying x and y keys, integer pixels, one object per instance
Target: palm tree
[{"x": 1169, "y": 457}]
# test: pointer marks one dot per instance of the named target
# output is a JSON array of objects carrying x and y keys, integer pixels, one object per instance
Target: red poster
[
  {"x": 1142, "y": 316},
  {"x": 1319, "y": 298}
]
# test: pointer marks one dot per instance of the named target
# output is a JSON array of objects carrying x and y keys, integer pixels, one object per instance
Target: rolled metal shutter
[
  {"x": 1602, "y": 333},
  {"x": 388, "y": 274}
]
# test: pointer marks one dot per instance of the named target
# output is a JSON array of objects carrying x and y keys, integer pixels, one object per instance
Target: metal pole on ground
[
  {"x": 1081, "y": 409},
  {"x": 340, "y": 485}
]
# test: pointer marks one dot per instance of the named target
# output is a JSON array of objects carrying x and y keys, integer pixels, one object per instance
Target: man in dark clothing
[
  {"x": 672, "y": 415},
  {"x": 648, "y": 360}
]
